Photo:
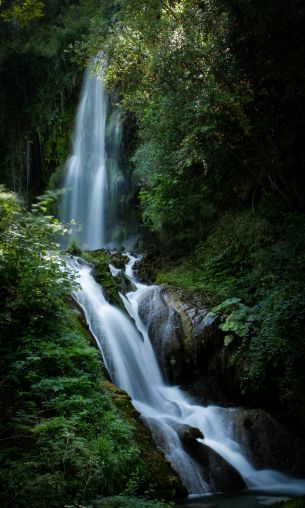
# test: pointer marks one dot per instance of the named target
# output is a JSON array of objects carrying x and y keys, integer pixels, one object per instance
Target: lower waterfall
[{"x": 132, "y": 365}]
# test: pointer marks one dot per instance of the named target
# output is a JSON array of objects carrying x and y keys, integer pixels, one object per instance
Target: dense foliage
[
  {"x": 219, "y": 120},
  {"x": 217, "y": 93},
  {"x": 251, "y": 272},
  {"x": 62, "y": 440},
  {"x": 39, "y": 87},
  {"x": 213, "y": 94}
]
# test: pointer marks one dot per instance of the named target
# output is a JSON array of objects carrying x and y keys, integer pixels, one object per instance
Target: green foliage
[
  {"x": 62, "y": 440},
  {"x": 39, "y": 93},
  {"x": 158, "y": 55},
  {"x": 212, "y": 129},
  {"x": 251, "y": 271},
  {"x": 235, "y": 318},
  {"x": 293, "y": 503},
  {"x": 100, "y": 261},
  {"x": 228, "y": 252},
  {"x": 23, "y": 12}
]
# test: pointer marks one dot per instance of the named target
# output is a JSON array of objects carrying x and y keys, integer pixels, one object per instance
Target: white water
[
  {"x": 132, "y": 365},
  {"x": 85, "y": 173},
  {"x": 97, "y": 188},
  {"x": 95, "y": 202}
]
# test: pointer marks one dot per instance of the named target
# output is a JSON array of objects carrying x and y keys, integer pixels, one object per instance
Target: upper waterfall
[{"x": 97, "y": 188}]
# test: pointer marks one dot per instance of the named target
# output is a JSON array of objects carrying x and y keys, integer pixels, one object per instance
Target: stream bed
[{"x": 168, "y": 412}]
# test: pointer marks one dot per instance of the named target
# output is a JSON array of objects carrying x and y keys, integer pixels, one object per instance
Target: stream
[
  {"x": 132, "y": 365},
  {"x": 98, "y": 193}
]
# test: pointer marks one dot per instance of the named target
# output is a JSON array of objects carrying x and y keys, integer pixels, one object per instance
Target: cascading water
[
  {"x": 97, "y": 188},
  {"x": 97, "y": 202},
  {"x": 85, "y": 173},
  {"x": 132, "y": 365}
]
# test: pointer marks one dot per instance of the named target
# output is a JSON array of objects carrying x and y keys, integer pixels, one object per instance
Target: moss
[
  {"x": 153, "y": 475},
  {"x": 118, "y": 259},
  {"x": 155, "y": 471},
  {"x": 100, "y": 260}
]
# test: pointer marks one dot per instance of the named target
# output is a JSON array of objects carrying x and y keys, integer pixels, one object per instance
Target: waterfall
[
  {"x": 97, "y": 188},
  {"x": 97, "y": 203},
  {"x": 131, "y": 362}
]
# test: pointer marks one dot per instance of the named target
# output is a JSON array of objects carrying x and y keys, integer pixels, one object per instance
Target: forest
[{"x": 204, "y": 140}]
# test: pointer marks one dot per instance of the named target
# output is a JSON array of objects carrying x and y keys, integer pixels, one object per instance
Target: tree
[{"x": 22, "y": 12}]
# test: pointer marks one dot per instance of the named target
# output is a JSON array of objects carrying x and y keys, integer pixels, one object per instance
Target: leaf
[{"x": 228, "y": 339}]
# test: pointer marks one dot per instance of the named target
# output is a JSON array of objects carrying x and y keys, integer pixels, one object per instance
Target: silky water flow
[
  {"x": 122, "y": 337},
  {"x": 131, "y": 362},
  {"x": 96, "y": 187}
]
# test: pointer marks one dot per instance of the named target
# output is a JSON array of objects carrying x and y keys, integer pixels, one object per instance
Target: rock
[
  {"x": 164, "y": 329},
  {"x": 147, "y": 268},
  {"x": 208, "y": 368},
  {"x": 216, "y": 471},
  {"x": 118, "y": 258},
  {"x": 189, "y": 435},
  {"x": 267, "y": 443},
  {"x": 190, "y": 348},
  {"x": 157, "y": 469},
  {"x": 125, "y": 284}
]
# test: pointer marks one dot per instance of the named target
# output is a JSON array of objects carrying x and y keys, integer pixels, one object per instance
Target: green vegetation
[
  {"x": 250, "y": 270},
  {"x": 219, "y": 157},
  {"x": 130, "y": 502},
  {"x": 63, "y": 440},
  {"x": 215, "y": 116},
  {"x": 39, "y": 89},
  {"x": 23, "y": 12},
  {"x": 213, "y": 97},
  {"x": 100, "y": 260}
]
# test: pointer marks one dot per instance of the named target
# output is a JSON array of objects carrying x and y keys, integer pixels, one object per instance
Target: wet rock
[
  {"x": 147, "y": 268},
  {"x": 216, "y": 471},
  {"x": 124, "y": 283},
  {"x": 267, "y": 443},
  {"x": 189, "y": 435},
  {"x": 117, "y": 258},
  {"x": 195, "y": 356},
  {"x": 189, "y": 346},
  {"x": 209, "y": 369},
  {"x": 157, "y": 469},
  {"x": 164, "y": 327}
]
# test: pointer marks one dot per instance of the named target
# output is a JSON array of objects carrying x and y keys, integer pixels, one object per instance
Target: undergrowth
[
  {"x": 62, "y": 439},
  {"x": 251, "y": 271}
]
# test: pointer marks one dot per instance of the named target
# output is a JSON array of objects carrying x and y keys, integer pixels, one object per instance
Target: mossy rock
[
  {"x": 154, "y": 476},
  {"x": 158, "y": 473},
  {"x": 100, "y": 260},
  {"x": 117, "y": 258}
]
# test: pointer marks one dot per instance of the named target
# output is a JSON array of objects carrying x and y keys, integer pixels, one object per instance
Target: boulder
[
  {"x": 157, "y": 470},
  {"x": 189, "y": 435},
  {"x": 216, "y": 471},
  {"x": 165, "y": 331},
  {"x": 125, "y": 284},
  {"x": 267, "y": 443}
]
